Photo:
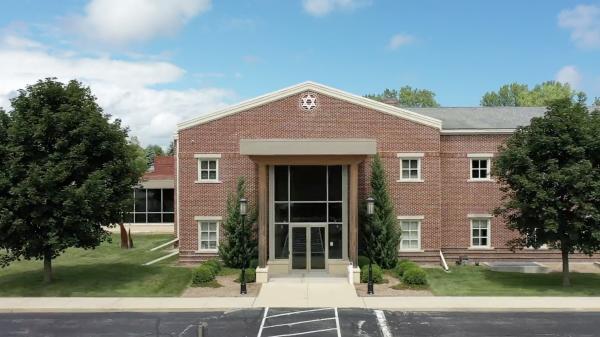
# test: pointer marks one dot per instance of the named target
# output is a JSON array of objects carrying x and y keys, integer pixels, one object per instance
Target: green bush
[
  {"x": 253, "y": 263},
  {"x": 250, "y": 275},
  {"x": 202, "y": 274},
  {"x": 377, "y": 274},
  {"x": 363, "y": 261},
  {"x": 402, "y": 266},
  {"x": 214, "y": 265},
  {"x": 414, "y": 276}
]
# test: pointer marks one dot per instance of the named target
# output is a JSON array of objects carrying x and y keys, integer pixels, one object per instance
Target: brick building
[{"x": 305, "y": 153}]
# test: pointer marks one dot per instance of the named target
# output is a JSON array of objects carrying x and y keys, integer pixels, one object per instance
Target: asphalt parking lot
[{"x": 321, "y": 322}]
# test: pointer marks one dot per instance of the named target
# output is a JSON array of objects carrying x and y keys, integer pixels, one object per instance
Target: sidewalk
[{"x": 176, "y": 304}]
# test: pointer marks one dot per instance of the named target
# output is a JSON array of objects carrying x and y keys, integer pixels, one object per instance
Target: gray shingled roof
[{"x": 482, "y": 117}]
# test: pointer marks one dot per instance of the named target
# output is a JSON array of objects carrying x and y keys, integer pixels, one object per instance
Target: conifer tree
[
  {"x": 381, "y": 232},
  {"x": 231, "y": 250}
]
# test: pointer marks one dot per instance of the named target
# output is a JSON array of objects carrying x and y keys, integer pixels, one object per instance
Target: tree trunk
[
  {"x": 124, "y": 239},
  {"x": 565, "y": 266},
  {"x": 47, "y": 267}
]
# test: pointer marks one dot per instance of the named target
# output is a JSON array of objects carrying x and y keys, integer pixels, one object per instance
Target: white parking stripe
[
  {"x": 299, "y": 312},
  {"x": 305, "y": 332},
  {"x": 337, "y": 324},
  {"x": 382, "y": 322},
  {"x": 262, "y": 324},
  {"x": 295, "y": 323}
]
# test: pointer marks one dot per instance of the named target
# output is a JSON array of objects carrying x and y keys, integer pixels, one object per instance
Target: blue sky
[{"x": 154, "y": 63}]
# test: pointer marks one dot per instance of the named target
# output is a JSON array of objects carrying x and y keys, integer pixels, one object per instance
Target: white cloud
[
  {"x": 118, "y": 22},
  {"x": 324, "y": 7},
  {"x": 584, "y": 23},
  {"x": 124, "y": 88},
  {"x": 569, "y": 74},
  {"x": 400, "y": 40}
]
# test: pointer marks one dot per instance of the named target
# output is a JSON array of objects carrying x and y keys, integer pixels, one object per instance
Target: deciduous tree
[
  {"x": 66, "y": 173},
  {"x": 550, "y": 174},
  {"x": 408, "y": 97}
]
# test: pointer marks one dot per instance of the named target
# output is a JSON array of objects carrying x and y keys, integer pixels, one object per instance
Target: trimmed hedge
[
  {"x": 214, "y": 265},
  {"x": 202, "y": 274},
  {"x": 250, "y": 275},
  {"x": 402, "y": 266},
  {"x": 363, "y": 261},
  {"x": 377, "y": 274},
  {"x": 414, "y": 276},
  {"x": 253, "y": 263}
]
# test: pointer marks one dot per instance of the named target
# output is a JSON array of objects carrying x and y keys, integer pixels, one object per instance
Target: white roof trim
[
  {"x": 318, "y": 88},
  {"x": 458, "y": 132}
]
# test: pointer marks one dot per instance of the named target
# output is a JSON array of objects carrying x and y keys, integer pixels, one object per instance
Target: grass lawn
[
  {"x": 105, "y": 271},
  {"x": 479, "y": 281}
]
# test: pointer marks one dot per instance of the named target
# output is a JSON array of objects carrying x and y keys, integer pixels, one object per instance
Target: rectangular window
[
  {"x": 480, "y": 168},
  {"x": 410, "y": 166},
  {"x": 209, "y": 235},
  {"x": 410, "y": 169},
  {"x": 411, "y": 235},
  {"x": 152, "y": 206},
  {"x": 480, "y": 232},
  {"x": 208, "y": 170}
]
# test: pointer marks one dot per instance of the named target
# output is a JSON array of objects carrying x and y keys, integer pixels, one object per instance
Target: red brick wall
[
  {"x": 461, "y": 197},
  {"x": 285, "y": 119}
]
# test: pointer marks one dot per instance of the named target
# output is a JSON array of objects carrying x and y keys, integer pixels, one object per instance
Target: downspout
[{"x": 443, "y": 262}]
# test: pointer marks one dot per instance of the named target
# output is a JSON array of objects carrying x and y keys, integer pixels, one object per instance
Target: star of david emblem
[{"x": 308, "y": 101}]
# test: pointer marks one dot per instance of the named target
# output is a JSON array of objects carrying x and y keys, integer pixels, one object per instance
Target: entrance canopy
[{"x": 303, "y": 147}]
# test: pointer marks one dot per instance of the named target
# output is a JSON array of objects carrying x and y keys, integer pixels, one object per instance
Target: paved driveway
[{"x": 301, "y": 322}]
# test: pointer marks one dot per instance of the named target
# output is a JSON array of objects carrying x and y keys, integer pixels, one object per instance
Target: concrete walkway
[
  {"x": 298, "y": 292},
  {"x": 293, "y": 298}
]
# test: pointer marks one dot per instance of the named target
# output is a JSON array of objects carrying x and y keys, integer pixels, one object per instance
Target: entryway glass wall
[{"x": 307, "y": 215}]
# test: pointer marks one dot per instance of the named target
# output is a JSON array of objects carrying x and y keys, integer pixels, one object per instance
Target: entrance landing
[{"x": 307, "y": 290}]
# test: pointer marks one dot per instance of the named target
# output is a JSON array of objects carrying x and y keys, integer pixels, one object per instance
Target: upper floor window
[
  {"x": 208, "y": 168},
  {"x": 480, "y": 166},
  {"x": 410, "y": 167}
]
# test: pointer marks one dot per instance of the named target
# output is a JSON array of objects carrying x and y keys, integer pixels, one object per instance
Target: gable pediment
[{"x": 312, "y": 87}]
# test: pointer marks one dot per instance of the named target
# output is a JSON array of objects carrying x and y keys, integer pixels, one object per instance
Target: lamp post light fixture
[
  {"x": 370, "y": 211},
  {"x": 243, "y": 211}
]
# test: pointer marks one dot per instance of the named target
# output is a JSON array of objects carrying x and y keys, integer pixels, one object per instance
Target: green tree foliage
[
  {"x": 508, "y": 95},
  {"x": 381, "y": 232},
  {"x": 152, "y": 151},
  {"x": 597, "y": 102},
  {"x": 238, "y": 242},
  {"x": 550, "y": 174},
  {"x": 407, "y": 97},
  {"x": 516, "y": 94},
  {"x": 171, "y": 148},
  {"x": 67, "y": 172},
  {"x": 139, "y": 155}
]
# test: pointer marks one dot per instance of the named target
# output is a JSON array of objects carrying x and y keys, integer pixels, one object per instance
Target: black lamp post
[
  {"x": 243, "y": 211},
  {"x": 370, "y": 211}
]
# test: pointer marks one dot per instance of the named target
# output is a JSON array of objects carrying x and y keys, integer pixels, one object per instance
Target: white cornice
[
  {"x": 458, "y": 132},
  {"x": 318, "y": 88}
]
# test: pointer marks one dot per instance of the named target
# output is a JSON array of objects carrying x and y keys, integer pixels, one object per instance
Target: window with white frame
[
  {"x": 480, "y": 168},
  {"x": 411, "y": 234},
  {"x": 410, "y": 166},
  {"x": 208, "y": 167},
  {"x": 480, "y": 232},
  {"x": 208, "y": 235}
]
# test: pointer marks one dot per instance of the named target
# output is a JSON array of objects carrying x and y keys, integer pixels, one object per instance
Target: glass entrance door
[
  {"x": 298, "y": 247},
  {"x": 317, "y": 248},
  {"x": 308, "y": 249}
]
